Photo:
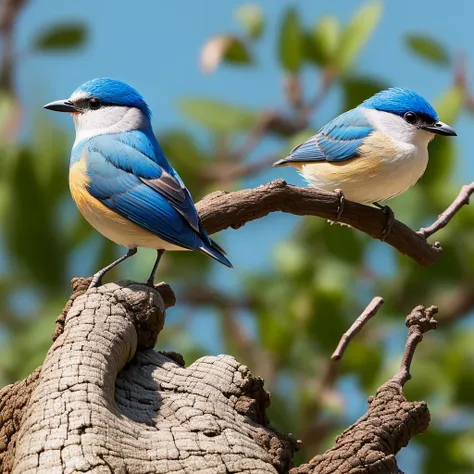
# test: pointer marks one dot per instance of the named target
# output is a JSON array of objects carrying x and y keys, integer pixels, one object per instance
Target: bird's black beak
[
  {"x": 62, "y": 106},
  {"x": 440, "y": 128}
]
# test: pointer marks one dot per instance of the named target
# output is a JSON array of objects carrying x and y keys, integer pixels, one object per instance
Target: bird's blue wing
[
  {"x": 125, "y": 194},
  {"x": 132, "y": 154},
  {"x": 130, "y": 176},
  {"x": 337, "y": 141}
]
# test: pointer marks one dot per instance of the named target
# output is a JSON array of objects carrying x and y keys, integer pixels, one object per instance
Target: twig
[
  {"x": 202, "y": 295},
  {"x": 8, "y": 17},
  {"x": 327, "y": 80},
  {"x": 332, "y": 368},
  {"x": 456, "y": 303},
  {"x": 228, "y": 172},
  {"x": 444, "y": 218},
  {"x": 357, "y": 326},
  {"x": 255, "y": 135},
  {"x": 418, "y": 322},
  {"x": 221, "y": 210}
]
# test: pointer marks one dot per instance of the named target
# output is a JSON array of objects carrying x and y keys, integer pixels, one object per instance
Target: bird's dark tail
[
  {"x": 216, "y": 252},
  {"x": 283, "y": 162}
]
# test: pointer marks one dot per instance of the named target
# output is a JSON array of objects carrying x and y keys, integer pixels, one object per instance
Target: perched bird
[
  {"x": 122, "y": 182},
  {"x": 374, "y": 152}
]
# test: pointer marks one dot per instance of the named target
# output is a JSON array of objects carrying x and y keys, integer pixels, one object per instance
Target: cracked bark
[{"x": 105, "y": 401}]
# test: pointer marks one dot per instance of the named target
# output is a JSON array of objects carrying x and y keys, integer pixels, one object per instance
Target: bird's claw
[
  {"x": 96, "y": 281},
  {"x": 340, "y": 208},
  {"x": 389, "y": 223}
]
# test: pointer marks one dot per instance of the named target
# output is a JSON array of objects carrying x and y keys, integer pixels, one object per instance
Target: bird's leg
[
  {"x": 97, "y": 278},
  {"x": 390, "y": 219},
  {"x": 151, "y": 278},
  {"x": 340, "y": 208}
]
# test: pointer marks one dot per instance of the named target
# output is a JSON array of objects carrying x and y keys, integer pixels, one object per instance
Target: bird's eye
[
  {"x": 95, "y": 103},
  {"x": 410, "y": 117}
]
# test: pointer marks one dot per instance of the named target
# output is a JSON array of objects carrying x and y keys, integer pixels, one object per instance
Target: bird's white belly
[{"x": 380, "y": 173}]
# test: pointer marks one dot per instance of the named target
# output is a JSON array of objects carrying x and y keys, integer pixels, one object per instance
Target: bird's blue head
[
  {"x": 98, "y": 93},
  {"x": 105, "y": 106},
  {"x": 411, "y": 107},
  {"x": 399, "y": 101},
  {"x": 106, "y": 91}
]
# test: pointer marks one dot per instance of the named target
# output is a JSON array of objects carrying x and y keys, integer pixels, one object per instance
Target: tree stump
[{"x": 105, "y": 402}]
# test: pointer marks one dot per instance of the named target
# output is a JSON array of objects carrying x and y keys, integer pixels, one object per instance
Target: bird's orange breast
[{"x": 116, "y": 228}]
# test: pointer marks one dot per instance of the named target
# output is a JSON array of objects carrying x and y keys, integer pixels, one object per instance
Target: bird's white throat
[
  {"x": 397, "y": 128},
  {"x": 107, "y": 120}
]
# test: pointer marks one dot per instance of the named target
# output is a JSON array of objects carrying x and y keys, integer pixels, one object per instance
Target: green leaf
[
  {"x": 450, "y": 104},
  {"x": 220, "y": 117},
  {"x": 224, "y": 48},
  {"x": 321, "y": 43},
  {"x": 356, "y": 34},
  {"x": 61, "y": 37},
  {"x": 237, "y": 52},
  {"x": 358, "y": 88},
  {"x": 291, "y": 42},
  {"x": 250, "y": 16},
  {"x": 427, "y": 48}
]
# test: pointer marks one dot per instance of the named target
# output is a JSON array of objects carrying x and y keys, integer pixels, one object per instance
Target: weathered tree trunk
[{"x": 104, "y": 401}]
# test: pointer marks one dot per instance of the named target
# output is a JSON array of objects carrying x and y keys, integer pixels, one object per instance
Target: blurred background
[{"x": 233, "y": 87}]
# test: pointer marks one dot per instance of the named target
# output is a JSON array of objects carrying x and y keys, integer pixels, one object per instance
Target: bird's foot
[
  {"x": 340, "y": 209},
  {"x": 96, "y": 280},
  {"x": 389, "y": 223}
]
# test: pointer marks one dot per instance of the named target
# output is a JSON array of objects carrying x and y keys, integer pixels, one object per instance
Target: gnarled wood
[
  {"x": 101, "y": 405},
  {"x": 105, "y": 401}
]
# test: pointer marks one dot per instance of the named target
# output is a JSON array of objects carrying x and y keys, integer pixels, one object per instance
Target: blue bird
[
  {"x": 122, "y": 182},
  {"x": 371, "y": 153}
]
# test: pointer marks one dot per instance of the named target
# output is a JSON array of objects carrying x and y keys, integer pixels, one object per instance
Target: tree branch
[
  {"x": 443, "y": 220},
  {"x": 418, "y": 322},
  {"x": 369, "y": 446},
  {"x": 357, "y": 325},
  {"x": 8, "y": 18},
  {"x": 221, "y": 210}
]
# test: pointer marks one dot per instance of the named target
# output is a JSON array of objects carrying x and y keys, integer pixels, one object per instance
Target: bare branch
[
  {"x": 357, "y": 325},
  {"x": 418, "y": 322},
  {"x": 456, "y": 303},
  {"x": 371, "y": 443},
  {"x": 225, "y": 173},
  {"x": 8, "y": 18},
  {"x": 221, "y": 210},
  {"x": 444, "y": 218},
  {"x": 327, "y": 80},
  {"x": 255, "y": 135}
]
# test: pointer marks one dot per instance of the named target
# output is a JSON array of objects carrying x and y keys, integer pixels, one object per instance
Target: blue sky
[{"x": 156, "y": 49}]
